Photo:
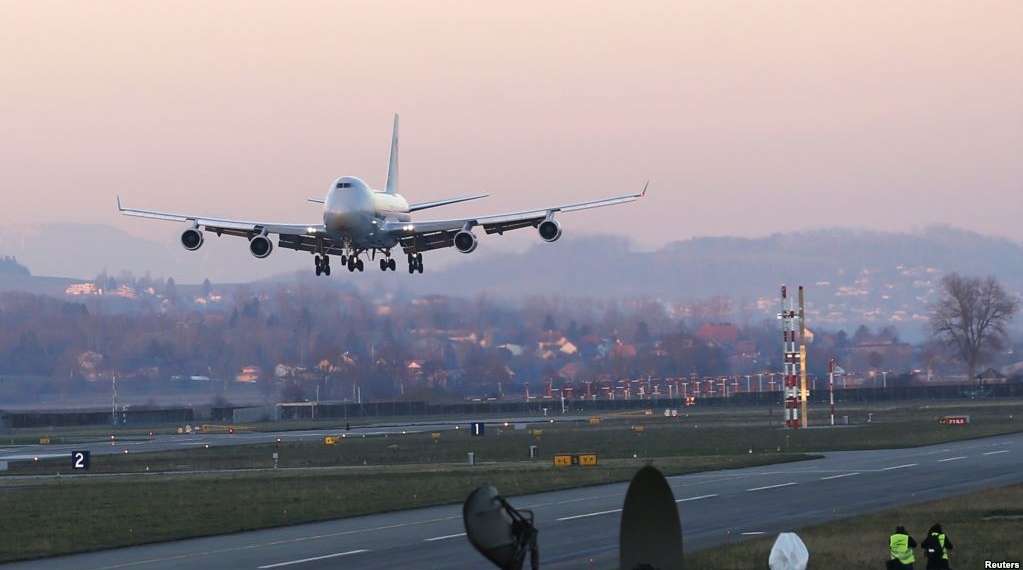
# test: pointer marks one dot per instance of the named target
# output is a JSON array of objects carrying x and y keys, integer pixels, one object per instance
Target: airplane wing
[
  {"x": 436, "y": 234},
  {"x": 293, "y": 236}
]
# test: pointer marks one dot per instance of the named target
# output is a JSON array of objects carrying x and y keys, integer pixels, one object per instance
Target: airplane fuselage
[{"x": 353, "y": 211}]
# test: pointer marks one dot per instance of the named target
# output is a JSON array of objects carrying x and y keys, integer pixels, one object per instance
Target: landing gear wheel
[
  {"x": 358, "y": 264},
  {"x": 351, "y": 264},
  {"x": 319, "y": 267},
  {"x": 411, "y": 268},
  {"x": 383, "y": 264},
  {"x": 392, "y": 265},
  {"x": 344, "y": 260},
  {"x": 326, "y": 270}
]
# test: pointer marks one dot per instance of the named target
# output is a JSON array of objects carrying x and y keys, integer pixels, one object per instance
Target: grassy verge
[
  {"x": 47, "y": 517},
  {"x": 983, "y": 526}
]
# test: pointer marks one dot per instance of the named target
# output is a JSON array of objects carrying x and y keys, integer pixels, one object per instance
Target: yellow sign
[
  {"x": 330, "y": 440},
  {"x": 562, "y": 460},
  {"x": 594, "y": 420},
  {"x": 435, "y": 435},
  {"x": 44, "y": 440},
  {"x": 588, "y": 459},
  {"x": 639, "y": 429},
  {"x": 537, "y": 432}
]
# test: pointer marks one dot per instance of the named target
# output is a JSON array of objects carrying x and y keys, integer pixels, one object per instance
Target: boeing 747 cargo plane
[{"x": 359, "y": 221}]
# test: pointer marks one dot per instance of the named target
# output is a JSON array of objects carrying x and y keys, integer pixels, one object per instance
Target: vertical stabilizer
[{"x": 392, "y": 165}]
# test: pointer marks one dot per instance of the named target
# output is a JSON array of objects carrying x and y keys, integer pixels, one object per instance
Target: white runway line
[
  {"x": 694, "y": 498},
  {"x": 304, "y": 560},
  {"x": 597, "y": 514},
  {"x": 899, "y": 467},
  {"x": 839, "y": 476},
  {"x": 952, "y": 459},
  {"x": 770, "y": 487},
  {"x": 436, "y": 538},
  {"x": 753, "y": 533},
  {"x": 994, "y": 452}
]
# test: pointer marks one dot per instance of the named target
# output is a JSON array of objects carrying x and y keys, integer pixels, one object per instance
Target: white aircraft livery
[{"x": 359, "y": 221}]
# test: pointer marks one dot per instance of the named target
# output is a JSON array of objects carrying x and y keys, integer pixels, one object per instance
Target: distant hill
[
  {"x": 851, "y": 277},
  {"x": 10, "y": 266}
]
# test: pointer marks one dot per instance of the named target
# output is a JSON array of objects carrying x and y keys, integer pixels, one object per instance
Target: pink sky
[{"x": 748, "y": 117}]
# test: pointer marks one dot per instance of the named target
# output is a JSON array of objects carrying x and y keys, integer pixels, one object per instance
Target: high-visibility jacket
[
  {"x": 941, "y": 543},
  {"x": 899, "y": 546}
]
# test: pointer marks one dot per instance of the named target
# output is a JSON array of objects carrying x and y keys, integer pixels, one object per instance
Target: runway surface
[
  {"x": 62, "y": 447},
  {"x": 579, "y": 527}
]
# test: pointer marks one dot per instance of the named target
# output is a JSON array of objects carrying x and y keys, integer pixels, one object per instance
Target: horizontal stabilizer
[{"x": 425, "y": 205}]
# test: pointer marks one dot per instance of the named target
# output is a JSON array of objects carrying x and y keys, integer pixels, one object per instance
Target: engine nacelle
[
  {"x": 466, "y": 241},
  {"x": 260, "y": 246},
  {"x": 550, "y": 230},
  {"x": 191, "y": 239}
]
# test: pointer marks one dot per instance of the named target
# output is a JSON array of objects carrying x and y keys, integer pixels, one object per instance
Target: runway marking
[
  {"x": 597, "y": 514},
  {"x": 994, "y": 452},
  {"x": 436, "y": 538},
  {"x": 695, "y": 498},
  {"x": 770, "y": 487},
  {"x": 899, "y": 467},
  {"x": 304, "y": 560},
  {"x": 839, "y": 476},
  {"x": 952, "y": 459},
  {"x": 753, "y": 533}
]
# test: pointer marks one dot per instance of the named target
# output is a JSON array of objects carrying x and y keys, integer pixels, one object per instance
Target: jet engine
[
  {"x": 465, "y": 241},
  {"x": 260, "y": 246},
  {"x": 550, "y": 230},
  {"x": 191, "y": 239}
]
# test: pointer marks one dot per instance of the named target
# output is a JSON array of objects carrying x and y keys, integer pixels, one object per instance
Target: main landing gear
[
  {"x": 354, "y": 263},
  {"x": 415, "y": 263},
  {"x": 387, "y": 263},
  {"x": 322, "y": 265}
]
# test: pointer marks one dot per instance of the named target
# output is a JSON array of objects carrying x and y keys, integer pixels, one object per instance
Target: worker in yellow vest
[
  {"x": 936, "y": 547},
  {"x": 901, "y": 546}
]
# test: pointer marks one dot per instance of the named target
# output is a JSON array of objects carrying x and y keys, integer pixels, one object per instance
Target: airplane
[{"x": 359, "y": 220}]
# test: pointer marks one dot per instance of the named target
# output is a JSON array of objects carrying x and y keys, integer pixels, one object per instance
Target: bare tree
[{"x": 970, "y": 318}]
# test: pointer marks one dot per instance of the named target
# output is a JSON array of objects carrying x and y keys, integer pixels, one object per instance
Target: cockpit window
[{"x": 344, "y": 184}]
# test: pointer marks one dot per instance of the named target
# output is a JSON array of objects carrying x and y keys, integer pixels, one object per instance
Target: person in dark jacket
[
  {"x": 936, "y": 547},
  {"x": 901, "y": 546}
]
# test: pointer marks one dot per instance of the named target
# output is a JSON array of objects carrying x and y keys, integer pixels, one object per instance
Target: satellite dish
[
  {"x": 500, "y": 533},
  {"x": 651, "y": 533}
]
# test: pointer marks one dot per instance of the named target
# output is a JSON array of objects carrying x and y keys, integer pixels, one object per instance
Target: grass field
[
  {"x": 170, "y": 495},
  {"x": 984, "y": 526}
]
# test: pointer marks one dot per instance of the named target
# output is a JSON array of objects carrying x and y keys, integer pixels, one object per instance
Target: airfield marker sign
[{"x": 81, "y": 460}]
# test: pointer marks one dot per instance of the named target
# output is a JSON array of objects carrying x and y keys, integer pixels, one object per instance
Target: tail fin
[{"x": 392, "y": 166}]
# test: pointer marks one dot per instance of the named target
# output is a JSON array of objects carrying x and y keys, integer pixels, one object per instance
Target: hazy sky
[{"x": 748, "y": 117}]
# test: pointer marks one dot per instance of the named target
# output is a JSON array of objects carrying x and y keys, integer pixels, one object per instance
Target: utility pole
[{"x": 113, "y": 405}]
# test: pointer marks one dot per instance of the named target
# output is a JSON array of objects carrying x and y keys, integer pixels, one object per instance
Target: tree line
[{"x": 342, "y": 342}]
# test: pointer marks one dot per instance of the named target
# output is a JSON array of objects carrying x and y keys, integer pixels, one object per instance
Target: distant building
[{"x": 83, "y": 289}]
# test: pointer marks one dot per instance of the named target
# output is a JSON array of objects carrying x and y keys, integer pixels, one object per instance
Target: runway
[
  {"x": 62, "y": 447},
  {"x": 579, "y": 527}
]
